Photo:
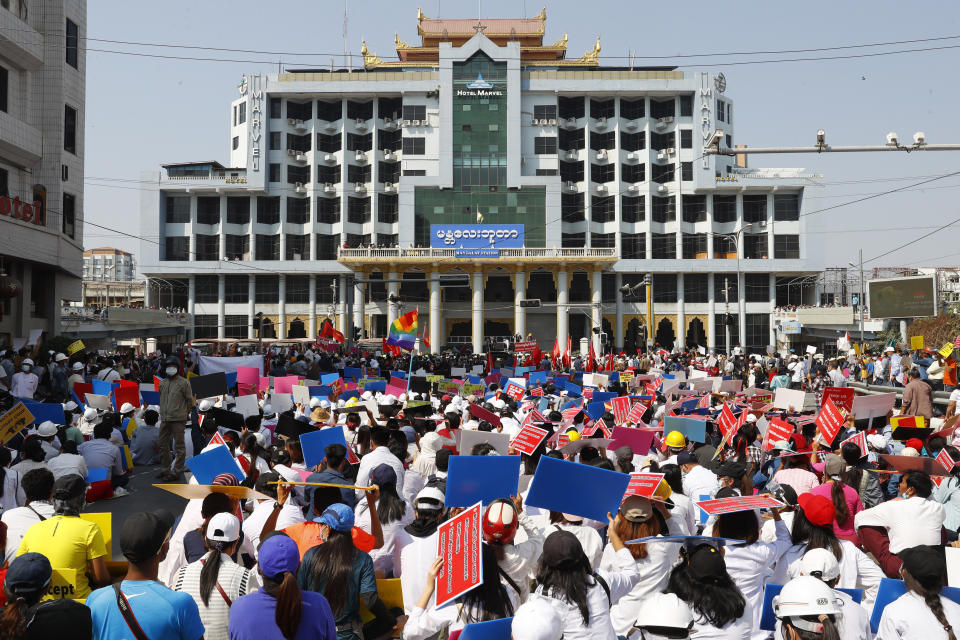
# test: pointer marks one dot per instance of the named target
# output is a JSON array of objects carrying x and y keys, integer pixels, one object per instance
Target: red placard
[
  {"x": 643, "y": 484},
  {"x": 829, "y": 421},
  {"x": 458, "y": 543},
  {"x": 532, "y": 417},
  {"x": 525, "y": 347},
  {"x": 480, "y": 413},
  {"x": 777, "y": 431},
  {"x": 727, "y": 421},
  {"x": 570, "y": 413},
  {"x": 599, "y": 424},
  {"x": 859, "y": 439},
  {"x": 636, "y": 413},
  {"x": 944, "y": 458},
  {"x": 842, "y": 397},
  {"x": 740, "y": 503},
  {"x": 529, "y": 439},
  {"x": 126, "y": 394},
  {"x": 536, "y": 391},
  {"x": 515, "y": 391},
  {"x": 621, "y": 408}
]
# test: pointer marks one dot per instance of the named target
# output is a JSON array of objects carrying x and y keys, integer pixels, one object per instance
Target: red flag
[
  {"x": 555, "y": 355},
  {"x": 589, "y": 366},
  {"x": 336, "y": 335},
  {"x": 426, "y": 338},
  {"x": 489, "y": 366},
  {"x": 327, "y": 331},
  {"x": 568, "y": 352},
  {"x": 536, "y": 356}
]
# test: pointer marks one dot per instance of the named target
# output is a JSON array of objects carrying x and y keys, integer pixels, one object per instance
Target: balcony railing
[{"x": 428, "y": 252}]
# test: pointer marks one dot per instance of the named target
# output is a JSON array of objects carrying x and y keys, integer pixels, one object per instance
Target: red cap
[
  {"x": 817, "y": 509},
  {"x": 916, "y": 443}
]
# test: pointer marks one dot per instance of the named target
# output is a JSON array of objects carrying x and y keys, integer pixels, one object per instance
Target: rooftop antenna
[{"x": 345, "y": 33}]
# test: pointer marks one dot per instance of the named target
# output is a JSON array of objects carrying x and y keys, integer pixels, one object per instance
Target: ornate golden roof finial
[
  {"x": 543, "y": 14},
  {"x": 420, "y": 15},
  {"x": 399, "y": 43},
  {"x": 592, "y": 56},
  {"x": 562, "y": 42},
  {"x": 369, "y": 59}
]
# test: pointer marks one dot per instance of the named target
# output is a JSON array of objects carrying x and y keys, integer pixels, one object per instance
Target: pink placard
[
  {"x": 264, "y": 383},
  {"x": 396, "y": 390},
  {"x": 248, "y": 375},
  {"x": 284, "y": 384}
]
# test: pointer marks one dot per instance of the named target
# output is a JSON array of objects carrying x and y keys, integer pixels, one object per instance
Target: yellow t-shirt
[{"x": 69, "y": 542}]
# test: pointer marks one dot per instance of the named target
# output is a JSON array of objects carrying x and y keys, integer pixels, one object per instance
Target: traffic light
[
  {"x": 532, "y": 302},
  {"x": 357, "y": 334},
  {"x": 456, "y": 280},
  {"x": 603, "y": 337}
]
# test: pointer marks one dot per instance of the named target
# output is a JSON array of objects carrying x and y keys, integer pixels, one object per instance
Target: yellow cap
[{"x": 676, "y": 439}]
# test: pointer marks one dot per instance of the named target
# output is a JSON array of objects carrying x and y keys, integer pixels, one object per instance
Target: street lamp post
[
  {"x": 860, "y": 296},
  {"x": 726, "y": 285}
]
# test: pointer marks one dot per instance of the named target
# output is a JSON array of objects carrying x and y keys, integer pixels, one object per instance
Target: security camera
[
  {"x": 625, "y": 289},
  {"x": 821, "y": 137},
  {"x": 892, "y": 139},
  {"x": 919, "y": 138},
  {"x": 715, "y": 139}
]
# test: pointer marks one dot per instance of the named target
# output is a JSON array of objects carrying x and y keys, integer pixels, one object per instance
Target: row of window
[
  {"x": 238, "y": 209},
  {"x": 332, "y": 110},
  {"x": 574, "y": 140},
  {"x": 786, "y": 206},
  {"x": 663, "y": 246},
  {"x": 266, "y": 289},
  {"x": 630, "y": 109}
]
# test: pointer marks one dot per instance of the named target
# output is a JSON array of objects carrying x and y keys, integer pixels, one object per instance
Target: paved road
[{"x": 143, "y": 497}]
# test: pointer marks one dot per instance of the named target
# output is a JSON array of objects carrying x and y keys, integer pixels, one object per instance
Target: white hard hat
[
  {"x": 314, "y": 402},
  {"x": 536, "y": 619},
  {"x": 805, "y": 596},
  {"x": 366, "y": 395},
  {"x": 69, "y": 405},
  {"x": 820, "y": 563},
  {"x": 323, "y": 404},
  {"x": 78, "y": 366},
  {"x": 47, "y": 429},
  {"x": 751, "y": 418},
  {"x": 90, "y": 414},
  {"x": 28, "y": 361},
  {"x": 59, "y": 357},
  {"x": 126, "y": 407},
  {"x": 664, "y": 610},
  {"x": 205, "y": 405}
]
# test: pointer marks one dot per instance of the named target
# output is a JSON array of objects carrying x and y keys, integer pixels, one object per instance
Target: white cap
[
  {"x": 805, "y": 596},
  {"x": 126, "y": 407},
  {"x": 431, "y": 493},
  {"x": 366, "y": 395},
  {"x": 388, "y": 401},
  {"x": 314, "y": 402},
  {"x": 751, "y": 418},
  {"x": 910, "y": 452},
  {"x": 536, "y": 619},
  {"x": 28, "y": 361},
  {"x": 889, "y": 349},
  {"x": 288, "y": 474},
  {"x": 90, "y": 414},
  {"x": 223, "y": 527},
  {"x": 876, "y": 441},
  {"x": 820, "y": 563},
  {"x": 59, "y": 357},
  {"x": 267, "y": 409},
  {"x": 323, "y": 404},
  {"x": 47, "y": 429},
  {"x": 205, "y": 405},
  {"x": 78, "y": 366},
  {"x": 664, "y": 610},
  {"x": 260, "y": 438},
  {"x": 69, "y": 405}
]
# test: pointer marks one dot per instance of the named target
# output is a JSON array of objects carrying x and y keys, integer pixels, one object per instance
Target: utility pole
[
  {"x": 861, "y": 297},
  {"x": 648, "y": 281},
  {"x": 726, "y": 314}
]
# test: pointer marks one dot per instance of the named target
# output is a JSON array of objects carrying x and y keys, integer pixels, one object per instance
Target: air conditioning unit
[
  {"x": 415, "y": 123},
  {"x": 330, "y": 127},
  {"x": 291, "y": 121},
  {"x": 634, "y": 188},
  {"x": 300, "y": 125},
  {"x": 361, "y": 156},
  {"x": 330, "y": 158},
  {"x": 552, "y": 122},
  {"x": 299, "y": 188},
  {"x": 301, "y": 156},
  {"x": 662, "y": 188},
  {"x": 387, "y": 154},
  {"x": 671, "y": 151},
  {"x": 570, "y": 123},
  {"x": 570, "y": 186},
  {"x": 329, "y": 188},
  {"x": 602, "y": 154},
  {"x": 601, "y": 188},
  {"x": 361, "y": 124},
  {"x": 407, "y": 123},
  {"x": 602, "y": 122},
  {"x": 389, "y": 124},
  {"x": 359, "y": 187},
  {"x": 662, "y": 154},
  {"x": 664, "y": 121},
  {"x": 633, "y": 156},
  {"x": 571, "y": 155},
  {"x": 631, "y": 126},
  {"x": 388, "y": 187}
]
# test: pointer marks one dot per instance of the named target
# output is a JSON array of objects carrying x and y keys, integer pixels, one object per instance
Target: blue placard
[
  {"x": 207, "y": 466},
  {"x": 603, "y": 396},
  {"x": 317, "y": 391},
  {"x": 475, "y": 380},
  {"x": 544, "y": 403},
  {"x": 43, "y": 411},
  {"x": 891, "y": 589},
  {"x": 398, "y": 374},
  {"x": 692, "y": 428},
  {"x": 767, "y": 618},
  {"x": 97, "y": 474},
  {"x": 481, "y": 478},
  {"x": 519, "y": 371},
  {"x": 596, "y": 409},
  {"x": 315, "y": 443},
  {"x": 150, "y": 397},
  {"x": 101, "y": 387},
  {"x": 476, "y": 236},
  {"x": 329, "y": 378},
  {"x": 490, "y": 630},
  {"x": 353, "y": 373},
  {"x": 346, "y": 395},
  {"x": 559, "y": 384},
  {"x": 323, "y": 391},
  {"x": 569, "y": 487},
  {"x": 538, "y": 377},
  {"x": 376, "y": 385},
  {"x": 572, "y": 390},
  {"x": 231, "y": 379}
]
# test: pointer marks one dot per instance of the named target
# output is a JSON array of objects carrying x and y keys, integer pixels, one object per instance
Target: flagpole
[{"x": 410, "y": 368}]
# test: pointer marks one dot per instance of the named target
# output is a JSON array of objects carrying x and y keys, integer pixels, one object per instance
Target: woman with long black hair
[
  {"x": 718, "y": 606},
  {"x": 215, "y": 581},
  {"x": 393, "y": 512},
  {"x": 581, "y": 596},
  {"x": 497, "y": 598},
  {"x": 343, "y": 574},
  {"x": 25, "y": 617},
  {"x": 921, "y": 612}
]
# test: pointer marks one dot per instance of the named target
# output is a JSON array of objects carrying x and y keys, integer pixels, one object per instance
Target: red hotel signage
[{"x": 28, "y": 212}]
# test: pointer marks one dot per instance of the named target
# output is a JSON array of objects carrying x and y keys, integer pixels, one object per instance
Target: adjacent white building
[
  {"x": 42, "y": 98},
  {"x": 484, "y": 151}
]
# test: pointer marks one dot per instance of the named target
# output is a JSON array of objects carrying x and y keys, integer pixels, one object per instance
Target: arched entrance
[
  {"x": 297, "y": 329},
  {"x": 632, "y": 339},
  {"x": 267, "y": 329},
  {"x": 696, "y": 337},
  {"x": 665, "y": 336}
]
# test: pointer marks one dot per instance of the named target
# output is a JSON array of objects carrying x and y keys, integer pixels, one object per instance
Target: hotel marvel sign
[
  {"x": 32, "y": 212},
  {"x": 479, "y": 88}
]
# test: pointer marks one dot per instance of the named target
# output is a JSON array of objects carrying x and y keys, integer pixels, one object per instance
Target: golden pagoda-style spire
[
  {"x": 420, "y": 15},
  {"x": 400, "y": 44},
  {"x": 369, "y": 59},
  {"x": 562, "y": 42},
  {"x": 542, "y": 15},
  {"x": 592, "y": 56}
]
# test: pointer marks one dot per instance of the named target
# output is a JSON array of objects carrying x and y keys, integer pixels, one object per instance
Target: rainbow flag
[{"x": 403, "y": 331}]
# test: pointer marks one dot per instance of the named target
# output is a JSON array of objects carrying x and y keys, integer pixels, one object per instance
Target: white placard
[
  {"x": 98, "y": 402},
  {"x": 953, "y": 566},
  {"x": 301, "y": 395},
  {"x": 477, "y": 370},
  {"x": 786, "y": 398},
  {"x": 457, "y": 372},
  {"x": 247, "y": 405},
  {"x": 600, "y": 380},
  {"x": 499, "y": 441},
  {"x": 281, "y": 402},
  {"x": 811, "y": 349},
  {"x": 34, "y": 336}
]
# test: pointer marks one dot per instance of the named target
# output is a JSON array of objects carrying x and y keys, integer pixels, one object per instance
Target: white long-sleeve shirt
[
  {"x": 909, "y": 618},
  {"x": 520, "y": 558},
  {"x": 857, "y": 570},
  {"x": 750, "y": 564},
  {"x": 909, "y": 522},
  {"x": 377, "y": 457}
]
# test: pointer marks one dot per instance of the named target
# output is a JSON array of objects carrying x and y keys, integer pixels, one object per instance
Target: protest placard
[
  {"x": 570, "y": 487},
  {"x": 740, "y": 503},
  {"x": 528, "y": 439},
  {"x": 829, "y": 421},
  {"x": 480, "y": 478},
  {"x": 13, "y": 421},
  {"x": 458, "y": 543}
]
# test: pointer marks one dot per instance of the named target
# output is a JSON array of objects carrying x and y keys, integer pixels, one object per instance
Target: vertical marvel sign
[
  {"x": 254, "y": 85},
  {"x": 458, "y": 543}
]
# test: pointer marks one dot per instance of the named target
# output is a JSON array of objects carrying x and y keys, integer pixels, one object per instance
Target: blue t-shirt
[
  {"x": 161, "y": 613},
  {"x": 253, "y": 617}
]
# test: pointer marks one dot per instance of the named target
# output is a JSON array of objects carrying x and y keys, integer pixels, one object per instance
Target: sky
[{"x": 144, "y": 110}]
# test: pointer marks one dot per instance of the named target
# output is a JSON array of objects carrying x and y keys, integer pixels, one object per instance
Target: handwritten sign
[
  {"x": 740, "y": 503},
  {"x": 75, "y": 347},
  {"x": 841, "y": 397},
  {"x": 13, "y": 421},
  {"x": 458, "y": 543}
]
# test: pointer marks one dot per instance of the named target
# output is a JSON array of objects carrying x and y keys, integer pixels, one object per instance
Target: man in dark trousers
[{"x": 176, "y": 401}]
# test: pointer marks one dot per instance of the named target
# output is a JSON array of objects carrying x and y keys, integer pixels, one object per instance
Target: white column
[
  {"x": 358, "y": 304},
  {"x": 520, "y": 313},
  {"x": 312, "y": 330},
  {"x": 742, "y": 311},
  {"x": 596, "y": 308},
  {"x": 282, "y": 307},
  {"x": 191, "y": 297},
  {"x": 773, "y": 308},
  {"x": 618, "y": 327},
  {"x": 477, "y": 309},
  {"x": 437, "y": 337},
  {"x": 251, "y": 306},
  {"x": 342, "y": 306},
  {"x": 393, "y": 289},
  {"x": 681, "y": 314},
  {"x": 221, "y": 307},
  {"x": 711, "y": 312},
  {"x": 562, "y": 300}
]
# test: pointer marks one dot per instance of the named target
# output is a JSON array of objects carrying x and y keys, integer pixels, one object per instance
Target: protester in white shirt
[
  {"x": 68, "y": 462},
  {"x": 516, "y": 556},
  {"x": 380, "y": 454},
  {"x": 24, "y": 383},
  {"x": 290, "y": 512},
  {"x": 913, "y": 519},
  {"x": 854, "y": 620},
  {"x": 393, "y": 513},
  {"x": 415, "y": 546},
  {"x": 698, "y": 481},
  {"x": 921, "y": 613},
  {"x": 589, "y": 539},
  {"x": 38, "y": 490}
]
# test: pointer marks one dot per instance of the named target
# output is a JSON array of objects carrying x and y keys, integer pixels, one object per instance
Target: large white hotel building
[{"x": 337, "y": 178}]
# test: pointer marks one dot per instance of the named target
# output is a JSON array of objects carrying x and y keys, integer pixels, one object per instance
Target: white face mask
[
  {"x": 171, "y": 371},
  {"x": 25, "y": 367}
]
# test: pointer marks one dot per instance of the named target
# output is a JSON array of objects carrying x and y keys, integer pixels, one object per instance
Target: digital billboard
[{"x": 912, "y": 297}]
